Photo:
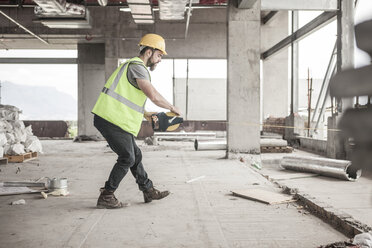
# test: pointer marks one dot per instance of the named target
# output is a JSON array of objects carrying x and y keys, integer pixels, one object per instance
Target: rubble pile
[{"x": 15, "y": 138}]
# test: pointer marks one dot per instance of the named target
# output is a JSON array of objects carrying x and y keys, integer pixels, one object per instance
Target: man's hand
[
  {"x": 175, "y": 110},
  {"x": 147, "y": 115}
]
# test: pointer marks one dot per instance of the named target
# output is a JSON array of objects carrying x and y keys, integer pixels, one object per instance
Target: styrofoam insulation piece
[{"x": 172, "y": 9}]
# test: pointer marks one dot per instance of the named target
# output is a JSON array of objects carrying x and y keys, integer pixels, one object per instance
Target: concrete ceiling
[{"x": 22, "y": 27}]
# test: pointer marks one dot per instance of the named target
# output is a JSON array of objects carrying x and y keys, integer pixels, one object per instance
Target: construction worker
[{"x": 118, "y": 114}]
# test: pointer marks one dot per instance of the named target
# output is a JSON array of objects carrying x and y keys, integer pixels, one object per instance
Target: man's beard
[{"x": 151, "y": 65}]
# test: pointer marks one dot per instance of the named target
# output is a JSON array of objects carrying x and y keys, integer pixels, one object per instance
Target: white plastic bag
[
  {"x": 5, "y": 126},
  {"x": 18, "y": 124},
  {"x": 6, "y": 149},
  {"x": 33, "y": 144},
  {"x": 28, "y": 131},
  {"x": 17, "y": 149},
  {"x": 10, "y": 137},
  {"x": 363, "y": 239},
  {"x": 9, "y": 112},
  {"x": 3, "y": 139},
  {"x": 19, "y": 135},
  {"x": 2, "y": 126}
]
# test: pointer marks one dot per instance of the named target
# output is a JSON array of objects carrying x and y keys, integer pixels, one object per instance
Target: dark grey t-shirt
[{"x": 137, "y": 71}]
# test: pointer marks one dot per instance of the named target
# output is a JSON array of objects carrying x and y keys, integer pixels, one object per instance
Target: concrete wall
[
  {"x": 206, "y": 37},
  {"x": 275, "y": 88},
  {"x": 206, "y": 98},
  {"x": 314, "y": 145}
]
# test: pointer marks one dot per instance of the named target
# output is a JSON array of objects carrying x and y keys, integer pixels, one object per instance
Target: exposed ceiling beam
[
  {"x": 38, "y": 61},
  {"x": 21, "y": 26},
  {"x": 318, "y": 22},
  {"x": 268, "y": 17},
  {"x": 188, "y": 18},
  {"x": 246, "y": 4},
  {"x": 325, "y": 5}
]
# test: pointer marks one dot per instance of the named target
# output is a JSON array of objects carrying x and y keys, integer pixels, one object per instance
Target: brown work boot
[
  {"x": 107, "y": 199},
  {"x": 154, "y": 194}
]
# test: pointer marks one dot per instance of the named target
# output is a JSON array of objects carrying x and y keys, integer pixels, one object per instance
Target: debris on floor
[
  {"x": 57, "y": 192},
  {"x": 151, "y": 141},
  {"x": 19, "y": 202},
  {"x": 195, "y": 179},
  {"x": 264, "y": 196},
  {"x": 15, "y": 138},
  {"x": 342, "y": 244},
  {"x": 363, "y": 239},
  {"x": 256, "y": 165}
]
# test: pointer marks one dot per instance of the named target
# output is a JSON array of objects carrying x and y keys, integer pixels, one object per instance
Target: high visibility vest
[{"x": 120, "y": 102}]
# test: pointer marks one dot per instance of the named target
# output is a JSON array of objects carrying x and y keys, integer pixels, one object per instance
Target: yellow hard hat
[{"x": 154, "y": 41}]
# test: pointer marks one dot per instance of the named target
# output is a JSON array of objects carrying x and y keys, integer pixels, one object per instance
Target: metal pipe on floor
[
  {"x": 273, "y": 142},
  {"x": 204, "y": 145},
  {"x": 22, "y": 184},
  {"x": 341, "y": 169},
  {"x": 221, "y": 144}
]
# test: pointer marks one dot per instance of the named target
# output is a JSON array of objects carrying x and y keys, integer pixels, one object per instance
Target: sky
[
  {"x": 62, "y": 77},
  {"x": 315, "y": 51}
]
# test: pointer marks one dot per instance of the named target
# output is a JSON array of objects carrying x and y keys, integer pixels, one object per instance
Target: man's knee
[
  {"x": 126, "y": 161},
  {"x": 138, "y": 155}
]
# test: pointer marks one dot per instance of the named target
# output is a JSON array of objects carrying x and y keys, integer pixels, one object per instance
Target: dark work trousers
[{"x": 129, "y": 155}]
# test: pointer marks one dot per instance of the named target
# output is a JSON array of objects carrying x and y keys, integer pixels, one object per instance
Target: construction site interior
[{"x": 273, "y": 146}]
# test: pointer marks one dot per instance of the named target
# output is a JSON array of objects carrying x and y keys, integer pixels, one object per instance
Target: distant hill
[{"x": 39, "y": 102}]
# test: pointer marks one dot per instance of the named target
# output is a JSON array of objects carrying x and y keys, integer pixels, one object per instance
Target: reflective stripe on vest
[
  {"x": 111, "y": 92},
  {"x": 124, "y": 100}
]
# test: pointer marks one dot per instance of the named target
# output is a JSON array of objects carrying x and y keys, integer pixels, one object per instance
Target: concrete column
[
  {"x": 111, "y": 56},
  {"x": 295, "y": 61},
  {"x": 275, "y": 69},
  {"x": 91, "y": 79},
  {"x": 345, "y": 60},
  {"x": 345, "y": 43},
  {"x": 243, "y": 79}
]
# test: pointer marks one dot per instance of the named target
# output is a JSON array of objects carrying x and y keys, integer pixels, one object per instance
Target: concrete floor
[
  {"x": 198, "y": 214},
  {"x": 351, "y": 197}
]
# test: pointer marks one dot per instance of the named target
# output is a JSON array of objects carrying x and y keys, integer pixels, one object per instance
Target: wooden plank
[
  {"x": 22, "y": 158},
  {"x": 272, "y": 149},
  {"x": 3, "y": 161},
  {"x": 263, "y": 196}
]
